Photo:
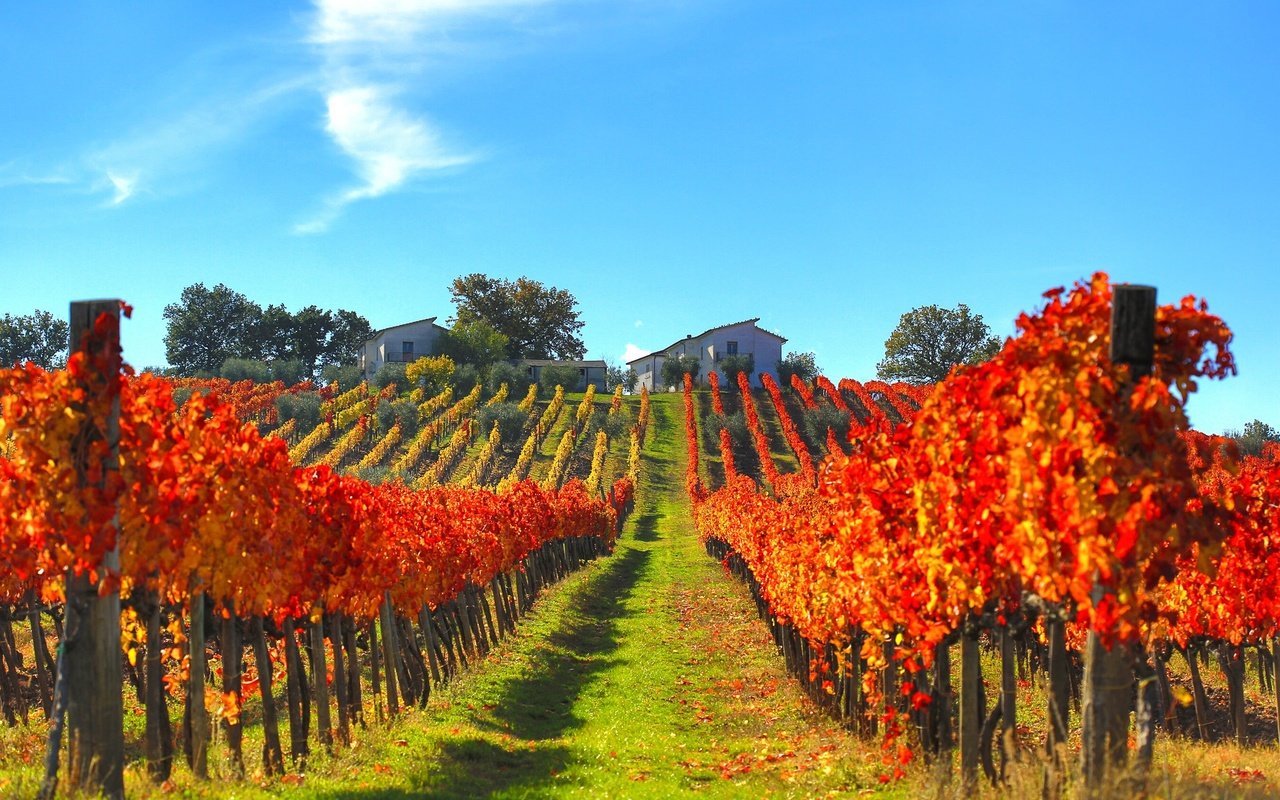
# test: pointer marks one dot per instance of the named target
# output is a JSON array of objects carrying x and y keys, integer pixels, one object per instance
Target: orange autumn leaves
[
  {"x": 1036, "y": 472},
  {"x": 208, "y": 504}
]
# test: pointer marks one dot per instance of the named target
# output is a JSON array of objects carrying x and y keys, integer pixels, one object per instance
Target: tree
[
  {"x": 516, "y": 378},
  {"x": 739, "y": 362},
  {"x": 39, "y": 337},
  {"x": 675, "y": 367},
  {"x": 208, "y": 326},
  {"x": 629, "y": 380},
  {"x": 430, "y": 373},
  {"x": 389, "y": 373},
  {"x": 554, "y": 375},
  {"x": 346, "y": 376},
  {"x": 1254, "y": 437},
  {"x": 538, "y": 321},
  {"x": 803, "y": 364},
  {"x": 510, "y": 421},
  {"x": 476, "y": 343},
  {"x": 929, "y": 341},
  {"x": 349, "y": 330}
]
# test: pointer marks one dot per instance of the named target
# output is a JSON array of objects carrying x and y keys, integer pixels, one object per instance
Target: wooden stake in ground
[
  {"x": 1108, "y": 677},
  {"x": 199, "y": 735},
  {"x": 971, "y": 710},
  {"x": 91, "y": 662}
]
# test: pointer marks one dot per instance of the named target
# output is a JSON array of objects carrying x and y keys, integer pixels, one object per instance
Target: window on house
[
  {"x": 732, "y": 347},
  {"x": 582, "y": 371},
  {"x": 406, "y": 348}
]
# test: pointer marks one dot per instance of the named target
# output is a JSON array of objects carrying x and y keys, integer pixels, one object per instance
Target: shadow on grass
[{"x": 537, "y": 705}]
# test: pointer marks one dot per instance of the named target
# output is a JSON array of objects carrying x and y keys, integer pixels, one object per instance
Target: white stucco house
[
  {"x": 588, "y": 371},
  {"x": 402, "y": 343},
  {"x": 737, "y": 338}
]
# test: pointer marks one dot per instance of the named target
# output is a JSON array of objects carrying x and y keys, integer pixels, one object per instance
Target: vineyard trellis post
[
  {"x": 90, "y": 651},
  {"x": 1108, "y": 680}
]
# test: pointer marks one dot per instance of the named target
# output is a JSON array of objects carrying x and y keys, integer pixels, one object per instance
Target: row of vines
[
  {"x": 1052, "y": 504},
  {"x": 159, "y": 518}
]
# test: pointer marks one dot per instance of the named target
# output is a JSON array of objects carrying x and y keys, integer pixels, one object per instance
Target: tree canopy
[
  {"x": 207, "y": 326},
  {"x": 803, "y": 364},
  {"x": 675, "y": 367},
  {"x": 475, "y": 342},
  {"x": 1254, "y": 437},
  {"x": 929, "y": 341},
  {"x": 39, "y": 337},
  {"x": 732, "y": 365},
  {"x": 538, "y": 321}
]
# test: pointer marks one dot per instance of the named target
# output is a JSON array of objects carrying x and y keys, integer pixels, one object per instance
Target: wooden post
[
  {"x": 389, "y": 654},
  {"x": 195, "y": 689},
  {"x": 942, "y": 695},
  {"x": 272, "y": 754},
  {"x": 1058, "y": 691},
  {"x": 1275, "y": 677},
  {"x": 158, "y": 738},
  {"x": 1108, "y": 678},
  {"x": 91, "y": 670},
  {"x": 320, "y": 683},
  {"x": 1008, "y": 698},
  {"x": 971, "y": 710},
  {"x": 232, "y": 682}
]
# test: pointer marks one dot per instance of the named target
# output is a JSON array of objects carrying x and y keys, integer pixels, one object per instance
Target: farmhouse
[
  {"x": 402, "y": 343},
  {"x": 589, "y": 372},
  {"x": 737, "y": 338}
]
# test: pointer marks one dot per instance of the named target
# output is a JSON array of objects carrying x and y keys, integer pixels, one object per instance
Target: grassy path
[{"x": 646, "y": 674}]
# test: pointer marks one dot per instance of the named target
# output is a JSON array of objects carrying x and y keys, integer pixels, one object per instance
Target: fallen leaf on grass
[{"x": 1245, "y": 775}]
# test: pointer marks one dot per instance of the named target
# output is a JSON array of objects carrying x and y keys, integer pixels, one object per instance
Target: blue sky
[{"x": 824, "y": 166}]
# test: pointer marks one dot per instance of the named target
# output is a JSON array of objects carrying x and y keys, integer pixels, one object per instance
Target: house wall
[
  {"x": 711, "y": 347},
  {"x": 765, "y": 348},
  {"x": 649, "y": 371},
  {"x": 589, "y": 374},
  {"x": 388, "y": 346}
]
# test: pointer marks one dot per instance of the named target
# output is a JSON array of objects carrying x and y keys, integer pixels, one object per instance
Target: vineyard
[
  {"x": 1028, "y": 569},
  {"x": 1050, "y": 505},
  {"x": 138, "y": 525}
]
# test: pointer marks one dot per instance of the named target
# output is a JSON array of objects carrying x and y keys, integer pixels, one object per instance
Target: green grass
[{"x": 646, "y": 674}]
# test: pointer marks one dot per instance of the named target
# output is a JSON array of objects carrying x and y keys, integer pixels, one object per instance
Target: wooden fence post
[
  {"x": 1108, "y": 679},
  {"x": 93, "y": 675}
]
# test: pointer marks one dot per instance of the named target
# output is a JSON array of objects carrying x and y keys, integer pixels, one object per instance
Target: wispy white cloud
[
  {"x": 153, "y": 155},
  {"x": 388, "y": 21},
  {"x": 632, "y": 352},
  {"x": 388, "y": 145},
  {"x": 371, "y": 50},
  {"x": 639, "y": 323},
  {"x": 124, "y": 186},
  {"x": 13, "y": 174}
]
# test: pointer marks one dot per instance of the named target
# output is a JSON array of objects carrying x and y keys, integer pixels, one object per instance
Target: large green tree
[
  {"x": 39, "y": 337},
  {"x": 538, "y": 321},
  {"x": 475, "y": 343},
  {"x": 208, "y": 326},
  {"x": 675, "y": 367},
  {"x": 929, "y": 341}
]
